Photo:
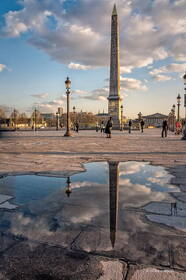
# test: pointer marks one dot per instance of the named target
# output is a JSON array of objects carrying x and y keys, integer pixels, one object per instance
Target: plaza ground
[{"x": 48, "y": 152}]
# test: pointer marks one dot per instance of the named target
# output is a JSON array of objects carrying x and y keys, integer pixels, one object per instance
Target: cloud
[
  {"x": 171, "y": 68},
  {"x": 80, "y": 92},
  {"x": 131, "y": 167},
  {"x": 132, "y": 84},
  {"x": 101, "y": 94},
  {"x": 149, "y": 31},
  {"x": 98, "y": 94},
  {"x": 40, "y": 96},
  {"x": 2, "y": 67},
  {"x": 162, "y": 78},
  {"x": 50, "y": 106},
  {"x": 77, "y": 66}
]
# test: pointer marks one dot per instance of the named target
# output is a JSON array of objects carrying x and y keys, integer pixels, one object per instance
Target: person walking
[
  {"x": 130, "y": 126},
  {"x": 102, "y": 126},
  {"x": 164, "y": 129},
  {"x": 77, "y": 127},
  {"x": 142, "y": 125},
  {"x": 108, "y": 127}
]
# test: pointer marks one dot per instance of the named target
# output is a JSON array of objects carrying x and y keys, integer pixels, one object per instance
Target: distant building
[
  {"x": 47, "y": 116},
  {"x": 154, "y": 120}
]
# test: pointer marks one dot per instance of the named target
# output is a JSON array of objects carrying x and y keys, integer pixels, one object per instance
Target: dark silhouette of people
[
  {"x": 77, "y": 127},
  {"x": 164, "y": 129},
  {"x": 130, "y": 126},
  {"x": 108, "y": 127},
  {"x": 142, "y": 123},
  {"x": 174, "y": 209}
]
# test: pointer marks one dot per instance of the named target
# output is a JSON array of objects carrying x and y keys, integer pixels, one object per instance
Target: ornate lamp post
[
  {"x": 74, "y": 116},
  {"x": 35, "y": 121},
  {"x": 68, "y": 84},
  {"x": 68, "y": 187},
  {"x": 173, "y": 113},
  {"x": 121, "y": 128},
  {"x": 57, "y": 120},
  {"x": 184, "y": 132},
  {"x": 178, "y": 104},
  {"x": 74, "y": 110},
  {"x": 14, "y": 114}
]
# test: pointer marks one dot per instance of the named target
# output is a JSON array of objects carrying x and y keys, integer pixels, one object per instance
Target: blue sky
[{"x": 43, "y": 41}]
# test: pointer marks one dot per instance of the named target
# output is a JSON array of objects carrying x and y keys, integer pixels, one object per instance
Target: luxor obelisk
[{"x": 114, "y": 99}]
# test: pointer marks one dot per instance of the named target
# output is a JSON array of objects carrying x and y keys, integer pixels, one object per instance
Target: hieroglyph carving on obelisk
[{"x": 114, "y": 99}]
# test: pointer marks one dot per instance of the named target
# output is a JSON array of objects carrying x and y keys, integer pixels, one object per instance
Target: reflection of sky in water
[
  {"x": 135, "y": 178},
  {"x": 46, "y": 214}
]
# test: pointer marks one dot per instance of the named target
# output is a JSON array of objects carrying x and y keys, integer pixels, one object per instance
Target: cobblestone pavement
[{"x": 48, "y": 152}]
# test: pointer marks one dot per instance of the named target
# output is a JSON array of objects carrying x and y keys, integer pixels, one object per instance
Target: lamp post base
[{"x": 68, "y": 134}]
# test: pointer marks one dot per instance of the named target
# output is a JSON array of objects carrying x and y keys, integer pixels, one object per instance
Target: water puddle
[{"x": 115, "y": 208}]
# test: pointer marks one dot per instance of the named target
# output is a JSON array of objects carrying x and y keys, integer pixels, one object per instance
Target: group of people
[{"x": 108, "y": 128}]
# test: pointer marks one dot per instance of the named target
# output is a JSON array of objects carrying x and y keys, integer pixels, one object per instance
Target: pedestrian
[
  {"x": 77, "y": 127},
  {"x": 142, "y": 123},
  {"x": 164, "y": 129},
  {"x": 130, "y": 126},
  {"x": 108, "y": 127},
  {"x": 102, "y": 126},
  {"x": 178, "y": 128},
  {"x": 174, "y": 209}
]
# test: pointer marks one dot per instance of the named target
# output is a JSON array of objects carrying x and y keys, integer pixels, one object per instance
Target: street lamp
[
  {"x": 35, "y": 122},
  {"x": 14, "y": 113},
  {"x": 173, "y": 113},
  {"x": 74, "y": 116},
  {"x": 68, "y": 187},
  {"x": 178, "y": 104},
  {"x": 184, "y": 132},
  {"x": 121, "y": 128},
  {"x": 57, "y": 120},
  {"x": 68, "y": 84}
]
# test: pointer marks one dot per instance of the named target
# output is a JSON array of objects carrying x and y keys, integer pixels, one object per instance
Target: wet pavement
[{"x": 111, "y": 217}]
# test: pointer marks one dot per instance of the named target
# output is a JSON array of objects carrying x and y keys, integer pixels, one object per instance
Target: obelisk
[
  {"x": 114, "y": 99},
  {"x": 113, "y": 191}
]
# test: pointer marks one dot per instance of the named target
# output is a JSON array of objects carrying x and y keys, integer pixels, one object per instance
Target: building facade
[{"x": 154, "y": 120}]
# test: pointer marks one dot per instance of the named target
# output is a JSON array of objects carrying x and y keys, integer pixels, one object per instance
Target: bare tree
[
  {"x": 15, "y": 117},
  {"x": 23, "y": 119}
]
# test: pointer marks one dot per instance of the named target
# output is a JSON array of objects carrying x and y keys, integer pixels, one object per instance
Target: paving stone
[{"x": 151, "y": 273}]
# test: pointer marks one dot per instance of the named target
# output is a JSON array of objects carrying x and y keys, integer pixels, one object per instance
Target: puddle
[{"x": 108, "y": 208}]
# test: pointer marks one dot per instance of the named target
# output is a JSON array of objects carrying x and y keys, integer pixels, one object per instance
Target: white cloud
[
  {"x": 77, "y": 66},
  {"x": 125, "y": 69},
  {"x": 98, "y": 94},
  {"x": 162, "y": 78},
  {"x": 2, "y": 67},
  {"x": 80, "y": 92},
  {"x": 51, "y": 106},
  {"x": 40, "y": 96},
  {"x": 159, "y": 73},
  {"x": 131, "y": 167},
  {"x": 149, "y": 32},
  {"x": 132, "y": 84},
  {"x": 171, "y": 68}
]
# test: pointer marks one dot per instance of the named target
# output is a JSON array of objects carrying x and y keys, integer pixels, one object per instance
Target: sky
[{"x": 44, "y": 41}]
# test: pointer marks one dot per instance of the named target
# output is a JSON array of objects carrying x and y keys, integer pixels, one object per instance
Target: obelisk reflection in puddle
[{"x": 113, "y": 190}]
